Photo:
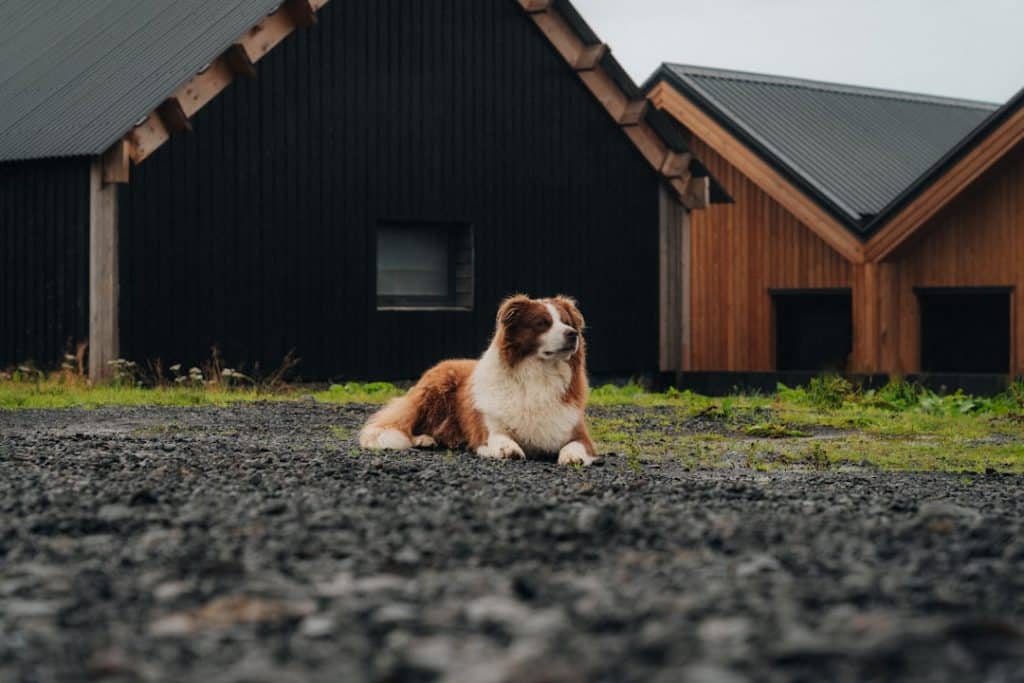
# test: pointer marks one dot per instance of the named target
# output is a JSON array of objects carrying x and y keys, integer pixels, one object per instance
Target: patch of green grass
[
  {"x": 900, "y": 427},
  {"x": 44, "y": 395},
  {"x": 359, "y": 392},
  {"x": 773, "y": 430},
  {"x": 61, "y": 391}
]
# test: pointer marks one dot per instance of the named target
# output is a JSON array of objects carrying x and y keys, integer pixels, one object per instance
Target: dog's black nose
[{"x": 572, "y": 335}]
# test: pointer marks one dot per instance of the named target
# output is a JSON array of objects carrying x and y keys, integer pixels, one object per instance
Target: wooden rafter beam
[
  {"x": 533, "y": 6},
  {"x": 590, "y": 57},
  {"x": 239, "y": 60},
  {"x": 630, "y": 114},
  {"x": 173, "y": 115},
  {"x": 676, "y": 164},
  {"x": 302, "y": 12},
  {"x": 633, "y": 114},
  {"x": 762, "y": 174}
]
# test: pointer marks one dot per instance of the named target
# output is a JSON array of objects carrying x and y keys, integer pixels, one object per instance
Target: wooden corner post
[
  {"x": 674, "y": 284},
  {"x": 866, "y": 318},
  {"x": 104, "y": 331}
]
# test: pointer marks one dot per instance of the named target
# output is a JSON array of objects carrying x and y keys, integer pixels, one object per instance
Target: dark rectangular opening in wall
[
  {"x": 423, "y": 265},
  {"x": 965, "y": 330},
  {"x": 813, "y": 329}
]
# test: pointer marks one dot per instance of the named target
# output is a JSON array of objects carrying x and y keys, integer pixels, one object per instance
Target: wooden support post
[
  {"x": 104, "y": 330},
  {"x": 674, "y": 284},
  {"x": 866, "y": 318},
  {"x": 117, "y": 163}
]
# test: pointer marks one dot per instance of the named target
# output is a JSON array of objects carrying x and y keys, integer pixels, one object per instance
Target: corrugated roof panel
[
  {"x": 75, "y": 76},
  {"x": 858, "y": 148}
]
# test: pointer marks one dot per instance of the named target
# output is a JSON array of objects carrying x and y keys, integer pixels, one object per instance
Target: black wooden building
[{"x": 358, "y": 182}]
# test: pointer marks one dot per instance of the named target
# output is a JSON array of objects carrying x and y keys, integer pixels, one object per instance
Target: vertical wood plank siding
[
  {"x": 256, "y": 232},
  {"x": 739, "y": 252},
  {"x": 976, "y": 241},
  {"x": 44, "y": 260}
]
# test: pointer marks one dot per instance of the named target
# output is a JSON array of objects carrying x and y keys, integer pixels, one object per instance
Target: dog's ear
[
  {"x": 568, "y": 305},
  {"x": 511, "y": 308}
]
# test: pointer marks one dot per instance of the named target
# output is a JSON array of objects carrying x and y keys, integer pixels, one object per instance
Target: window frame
[{"x": 460, "y": 238}]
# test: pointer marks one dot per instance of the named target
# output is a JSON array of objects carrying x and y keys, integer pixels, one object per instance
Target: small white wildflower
[{"x": 176, "y": 368}]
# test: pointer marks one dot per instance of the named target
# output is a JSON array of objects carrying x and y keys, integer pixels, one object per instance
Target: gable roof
[
  {"x": 1000, "y": 133},
  {"x": 852, "y": 149},
  {"x": 75, "y": 76}
]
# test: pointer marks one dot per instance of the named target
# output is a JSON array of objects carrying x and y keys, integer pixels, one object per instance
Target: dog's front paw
[
  {"x": 376, "y": 439},
  {"x": 575, "y": 453},
  {"x": 501, "y": 448},
  {"x": 423, "y": 441}
]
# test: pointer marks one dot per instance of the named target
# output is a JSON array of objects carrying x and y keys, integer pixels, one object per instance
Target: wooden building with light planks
[
  {"x": 872, "y": 232},
  {"x": 360, "y": 183}
]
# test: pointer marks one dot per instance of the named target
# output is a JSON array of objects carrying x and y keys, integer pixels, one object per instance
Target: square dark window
[
  {"x": 813, "y": 330},
  {"x": 965, "y": 330},
  {"x": 424, "y": 266}
]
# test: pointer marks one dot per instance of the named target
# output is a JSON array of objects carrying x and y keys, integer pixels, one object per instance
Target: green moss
[{"x": 773, "y": 430}]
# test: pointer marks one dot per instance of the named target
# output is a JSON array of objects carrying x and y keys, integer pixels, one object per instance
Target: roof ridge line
[{"x": 828, "y": 86}]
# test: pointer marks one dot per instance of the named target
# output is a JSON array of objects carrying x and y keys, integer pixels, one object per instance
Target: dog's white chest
[{"x": 527, "y": 402}]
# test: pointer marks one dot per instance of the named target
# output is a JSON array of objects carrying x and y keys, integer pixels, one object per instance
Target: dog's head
[{"x": 547, "y": 329}]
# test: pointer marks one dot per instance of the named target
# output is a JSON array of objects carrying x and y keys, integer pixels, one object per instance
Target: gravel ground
[{"x": 256, "y": 543}]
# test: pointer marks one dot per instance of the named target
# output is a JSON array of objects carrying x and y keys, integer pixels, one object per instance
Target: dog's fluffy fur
[{"x": 526, "y": 394}]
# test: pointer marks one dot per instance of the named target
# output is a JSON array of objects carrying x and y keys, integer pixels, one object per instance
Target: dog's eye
[{"x": 542, "y": 324}]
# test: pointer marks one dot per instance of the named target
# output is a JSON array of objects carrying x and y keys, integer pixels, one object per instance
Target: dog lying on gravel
[{"x": 526, "y": 394}]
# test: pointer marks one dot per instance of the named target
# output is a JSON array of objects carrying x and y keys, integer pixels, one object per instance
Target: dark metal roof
[
  {"x": 75, "y": 75},
  {"x": 958, "y": 152},
  {"x": 854, "y": 149}
]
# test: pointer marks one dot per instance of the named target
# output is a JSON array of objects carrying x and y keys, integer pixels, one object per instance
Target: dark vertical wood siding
[
  {"x": 256, "y": 232},
  {"x": 44, "y": 260}
]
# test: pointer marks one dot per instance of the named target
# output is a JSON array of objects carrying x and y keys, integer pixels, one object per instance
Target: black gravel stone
[{"x": 258, "y": 543}]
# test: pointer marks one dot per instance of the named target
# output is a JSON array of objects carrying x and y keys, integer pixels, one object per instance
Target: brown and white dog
[{"x": 526, "y": 394}]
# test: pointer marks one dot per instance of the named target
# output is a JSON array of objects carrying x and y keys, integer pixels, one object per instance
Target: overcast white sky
[{"x": 962, "y": 48}]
